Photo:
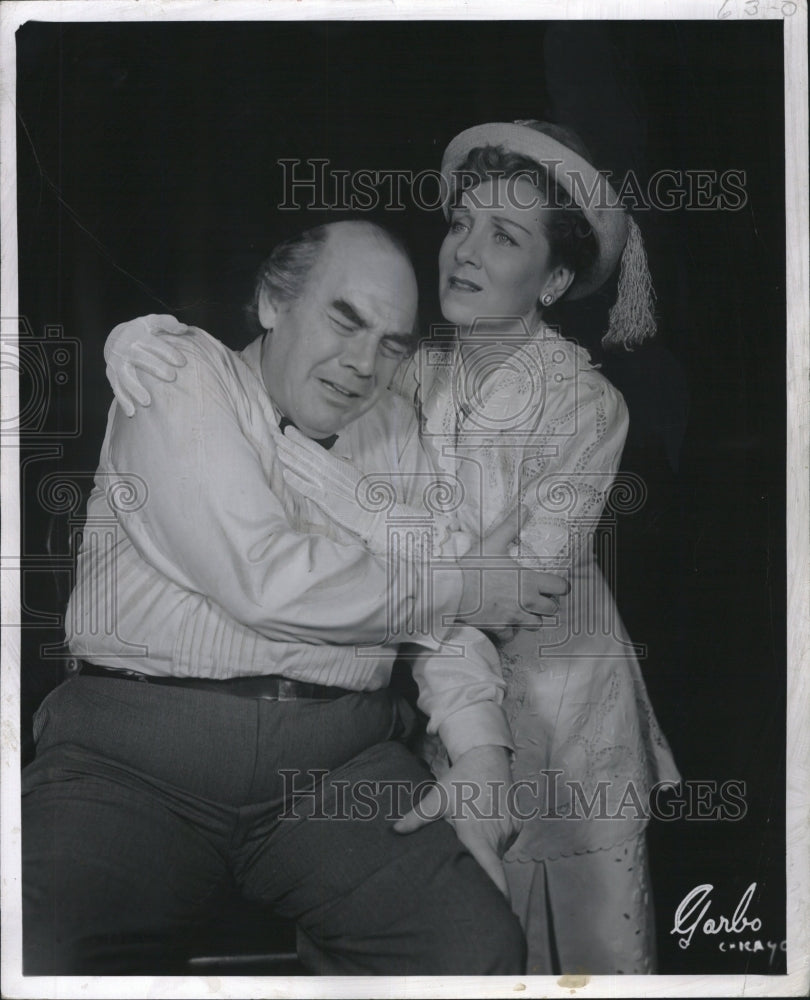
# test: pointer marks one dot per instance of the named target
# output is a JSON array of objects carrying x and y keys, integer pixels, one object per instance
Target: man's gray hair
[{"x": 283, "y": 275}]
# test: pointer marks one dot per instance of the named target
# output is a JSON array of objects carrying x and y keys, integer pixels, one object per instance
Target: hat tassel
[{"x": 632, "y": 318}]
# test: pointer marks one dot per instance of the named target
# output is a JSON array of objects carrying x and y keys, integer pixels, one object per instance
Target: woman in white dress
[
  {"x": 530, "y": 418},
  {"x": 518, "y": 415}
]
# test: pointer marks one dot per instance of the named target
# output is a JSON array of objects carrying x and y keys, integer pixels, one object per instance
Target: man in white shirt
[{"x": 260, "y": 638}]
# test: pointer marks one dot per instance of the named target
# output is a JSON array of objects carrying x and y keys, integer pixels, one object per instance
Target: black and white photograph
[{"x": 405, "y": 477}]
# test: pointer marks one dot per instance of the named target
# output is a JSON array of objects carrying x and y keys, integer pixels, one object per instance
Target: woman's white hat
[{"x": 617, "y": 234}]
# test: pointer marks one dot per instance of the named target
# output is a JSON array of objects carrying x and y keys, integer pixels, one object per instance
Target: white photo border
[{"x": 797, "y": 980}]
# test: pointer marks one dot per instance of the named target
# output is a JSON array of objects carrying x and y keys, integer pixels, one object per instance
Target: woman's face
[{"x": 494, "y": 261}]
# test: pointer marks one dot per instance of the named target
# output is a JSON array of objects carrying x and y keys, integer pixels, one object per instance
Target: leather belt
[{"x": 270, "y": 687}]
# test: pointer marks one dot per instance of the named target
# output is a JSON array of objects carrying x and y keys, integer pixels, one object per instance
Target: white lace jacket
[{"x": 538, "y": 423}]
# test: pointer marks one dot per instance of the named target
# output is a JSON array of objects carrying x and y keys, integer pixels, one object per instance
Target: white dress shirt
[{"x": 198, "y": 559}]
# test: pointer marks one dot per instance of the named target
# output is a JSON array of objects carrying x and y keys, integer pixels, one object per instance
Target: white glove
[
  {"x": 138, "y": 346},
  {"x": 338, "y": 488}
]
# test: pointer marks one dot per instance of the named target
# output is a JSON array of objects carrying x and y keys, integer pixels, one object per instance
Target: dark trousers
[{"x": 145, "y": 804}]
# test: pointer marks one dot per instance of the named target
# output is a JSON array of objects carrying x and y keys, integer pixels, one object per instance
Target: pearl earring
[{"x": 547, "y": 299}]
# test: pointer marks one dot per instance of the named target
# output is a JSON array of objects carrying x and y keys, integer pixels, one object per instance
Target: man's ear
[{"x": 267, "y": 310}]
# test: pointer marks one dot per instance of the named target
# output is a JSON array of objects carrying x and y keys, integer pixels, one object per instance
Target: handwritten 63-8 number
[{"x": 756, "y": 8}]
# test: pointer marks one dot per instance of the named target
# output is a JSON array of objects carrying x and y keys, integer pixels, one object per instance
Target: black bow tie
[{"x": 327, "y": 442}]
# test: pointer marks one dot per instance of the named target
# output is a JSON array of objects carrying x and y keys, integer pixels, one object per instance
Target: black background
[{"x": 148, "y": 182}]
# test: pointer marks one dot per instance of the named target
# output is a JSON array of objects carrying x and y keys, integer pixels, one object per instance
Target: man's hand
[
  {"x": 472, "y": 797},
  {"x": 498, "y": 595}
]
